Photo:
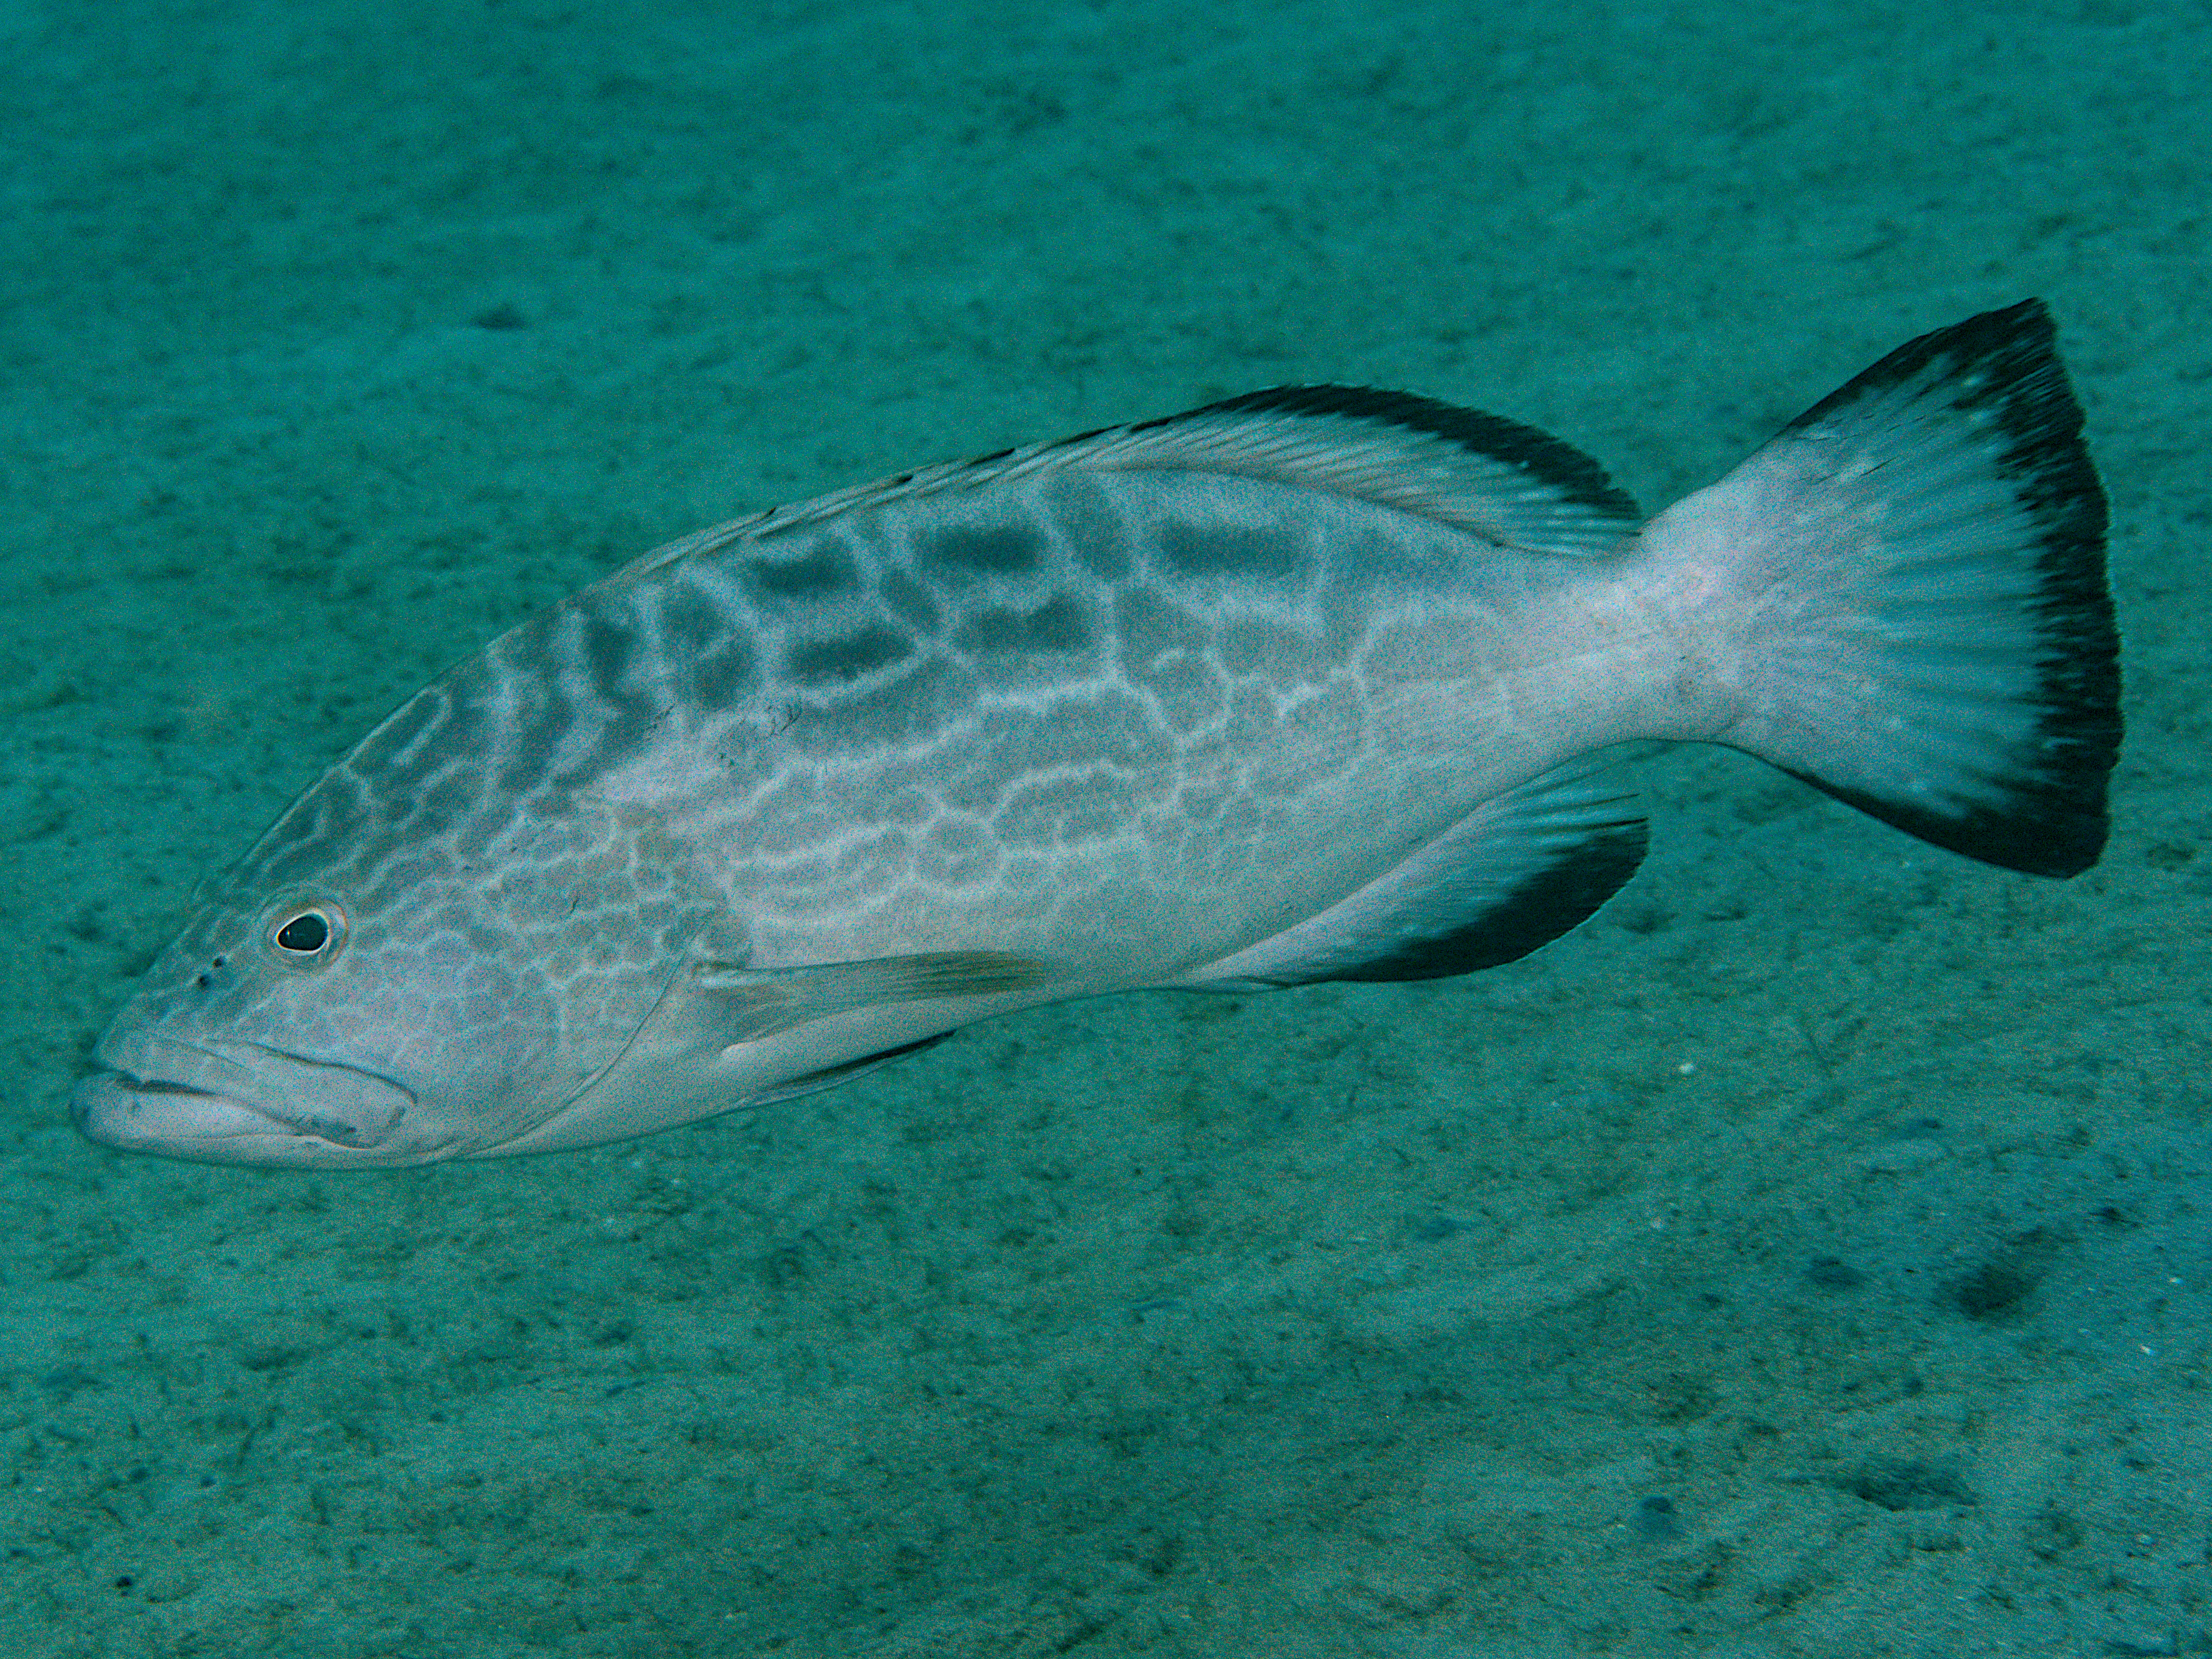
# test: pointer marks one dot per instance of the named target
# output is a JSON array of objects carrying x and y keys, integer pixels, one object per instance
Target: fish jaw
[{"x": 239, "y": 1103}]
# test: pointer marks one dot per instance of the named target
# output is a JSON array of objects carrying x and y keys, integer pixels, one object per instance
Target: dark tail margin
[{"x": 1929, "y": 636}]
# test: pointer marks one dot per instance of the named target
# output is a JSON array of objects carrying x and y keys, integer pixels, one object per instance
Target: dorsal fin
[
  {"x": 1514, "y": 874},
  {"x": 1506, "y": 482}
]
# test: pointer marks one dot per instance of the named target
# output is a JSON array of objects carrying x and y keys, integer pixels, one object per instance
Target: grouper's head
[{"x": 372, "y": 986}]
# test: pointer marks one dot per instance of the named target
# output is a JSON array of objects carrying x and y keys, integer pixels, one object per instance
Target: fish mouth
[{"x": 238, "y": 1103}]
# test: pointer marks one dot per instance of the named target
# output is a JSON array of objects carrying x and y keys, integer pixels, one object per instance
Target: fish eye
[{"x": 307, "y": 935}]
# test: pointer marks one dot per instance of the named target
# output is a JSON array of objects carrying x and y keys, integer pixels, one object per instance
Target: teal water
[{"x": 1807, "y": 1257}]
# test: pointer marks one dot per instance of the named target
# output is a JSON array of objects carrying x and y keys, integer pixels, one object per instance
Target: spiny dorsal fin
[{"x": 1506, "y": 482}]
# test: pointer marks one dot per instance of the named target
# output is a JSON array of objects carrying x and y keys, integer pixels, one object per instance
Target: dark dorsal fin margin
[{"x": 1561, "y": 465}]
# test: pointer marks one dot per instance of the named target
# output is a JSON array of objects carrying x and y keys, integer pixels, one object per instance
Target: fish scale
[{"x": 1319, "y": 683}]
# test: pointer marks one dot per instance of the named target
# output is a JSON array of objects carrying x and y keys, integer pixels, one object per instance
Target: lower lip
[{"x": 126, "y": 1113}]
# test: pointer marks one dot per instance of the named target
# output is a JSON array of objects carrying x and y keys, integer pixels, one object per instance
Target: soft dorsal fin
[
  {"x": 1495, "y": 478},
  {"x": 1515, "y": 873},
  {"x": 1506, "y": 482}
]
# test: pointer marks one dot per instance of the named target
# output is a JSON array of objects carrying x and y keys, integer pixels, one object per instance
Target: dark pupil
[{"x": 305, "y": 933}]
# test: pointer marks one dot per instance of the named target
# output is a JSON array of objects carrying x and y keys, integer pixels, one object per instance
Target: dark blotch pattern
[
  {"x": 689, "y": 620},
  {"x": 608, "y": 648},
  {"x": 1096, "y": 537},
  {"x": 826, "y": 571},
  {"x": 546, "y": 718},
  {"x": 416, "y": 744},
  {"x": 820, "y": 661},
  {"x": 1216, "y": 550},
  {"x": 1057, "y": 625},
  {"x": 998, "y": 551},
  {"x": 910, "y": 602},
  {"x": 716, "y": 660},
  {"x": 725, "y": 677}
]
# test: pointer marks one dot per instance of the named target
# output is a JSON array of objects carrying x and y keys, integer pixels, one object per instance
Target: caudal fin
[{"x": 1926, "y": 631}]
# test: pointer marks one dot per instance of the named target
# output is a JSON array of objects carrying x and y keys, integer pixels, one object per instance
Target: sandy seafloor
[{"x": 1808, "y": 1257}]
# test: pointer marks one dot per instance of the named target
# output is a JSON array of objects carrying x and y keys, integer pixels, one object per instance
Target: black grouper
[{"x": 1310, "y": 684}]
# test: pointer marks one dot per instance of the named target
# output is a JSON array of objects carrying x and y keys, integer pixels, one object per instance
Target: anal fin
[
  {"x": 1515, "y": 874},
  {"x": 844, "y": 1071}
]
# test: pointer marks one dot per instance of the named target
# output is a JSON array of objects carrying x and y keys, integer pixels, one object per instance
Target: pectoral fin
[{"x": 762, "y": 1001}]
